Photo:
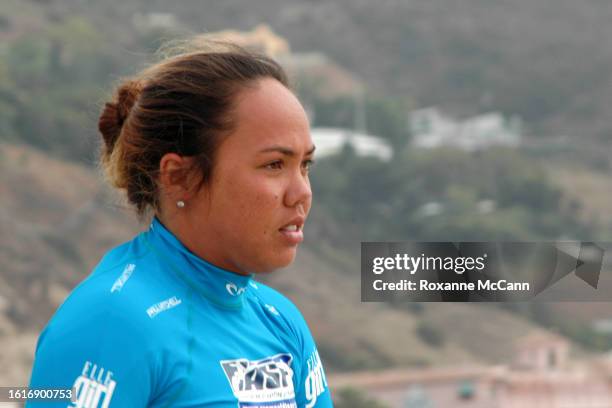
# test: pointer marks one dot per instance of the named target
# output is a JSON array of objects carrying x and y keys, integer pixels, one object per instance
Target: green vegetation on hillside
[{"x": 444, "y": 195}]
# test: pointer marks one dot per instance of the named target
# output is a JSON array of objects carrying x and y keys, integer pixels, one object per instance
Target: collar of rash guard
[{"x": 220, "y": 286}]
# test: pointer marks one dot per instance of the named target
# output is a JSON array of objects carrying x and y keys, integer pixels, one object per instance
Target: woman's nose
[{"x": 298, "y": 191}]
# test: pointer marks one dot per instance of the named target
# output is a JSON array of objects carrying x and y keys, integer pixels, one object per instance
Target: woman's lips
[{"x": 292, "y": 233}]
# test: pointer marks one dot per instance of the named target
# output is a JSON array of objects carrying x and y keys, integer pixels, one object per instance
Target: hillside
[
  {"x": 545, "y": 60},
  {"x": 58, "y": 219}
]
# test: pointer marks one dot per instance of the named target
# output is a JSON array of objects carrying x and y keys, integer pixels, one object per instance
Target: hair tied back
[{"x": 115, "y": 113}]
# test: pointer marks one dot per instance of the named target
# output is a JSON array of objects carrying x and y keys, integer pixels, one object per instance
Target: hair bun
[{"x": 116, "y": 112}]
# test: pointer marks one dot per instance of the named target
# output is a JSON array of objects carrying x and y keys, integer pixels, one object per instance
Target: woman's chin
[{"x": 277, "y": 261}]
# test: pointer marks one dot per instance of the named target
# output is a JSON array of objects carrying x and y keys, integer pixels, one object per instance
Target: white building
[
  {"x": 431, "y": 128},
  {"x": 331, "y": 141}
]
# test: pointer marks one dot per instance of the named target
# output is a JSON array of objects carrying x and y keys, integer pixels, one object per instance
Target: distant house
[
  {"x": 541, "y": 352},
  {"x": 541, "y": 375},
  {"x": 261, "y": 39},
  {"x": 312, "y": 69},
  {"x": 329, "y": 79},
  {"x": 331, "y": 141},
  {"x": 155, "y": 21},
  {"x": 431, "y": 128}
]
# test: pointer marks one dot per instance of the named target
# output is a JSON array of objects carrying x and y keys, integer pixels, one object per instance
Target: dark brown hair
[{"x": 182, "y": 104}]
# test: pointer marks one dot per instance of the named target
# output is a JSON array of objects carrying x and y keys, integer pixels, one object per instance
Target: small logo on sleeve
[
  {"x": 265, "y": 383},
  {"x": 94, "y": 387},
  {"x": 163, "y": 306},
  {"x": 125, "y": 275}
]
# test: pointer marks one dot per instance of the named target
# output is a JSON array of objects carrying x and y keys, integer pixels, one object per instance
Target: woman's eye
[
  {"x": 276, "y": 165},
  {"x": 307, "y": 164}
]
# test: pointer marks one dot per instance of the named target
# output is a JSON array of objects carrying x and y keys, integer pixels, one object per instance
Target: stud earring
[{"x": 180, "y": 204}]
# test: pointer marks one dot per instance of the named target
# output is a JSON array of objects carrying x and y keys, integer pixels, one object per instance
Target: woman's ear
[{"x": 175, "y": 176}]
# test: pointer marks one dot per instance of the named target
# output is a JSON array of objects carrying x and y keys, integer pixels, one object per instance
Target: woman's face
[{"x": 249, "y": 218}]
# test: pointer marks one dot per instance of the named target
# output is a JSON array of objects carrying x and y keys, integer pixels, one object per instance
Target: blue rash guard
[{"x": 154, "y": 325}]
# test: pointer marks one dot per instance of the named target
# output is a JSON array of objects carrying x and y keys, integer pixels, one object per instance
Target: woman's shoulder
[
  {"x": 119, "y": 255},
  {"x": 121, "y": 321},
  {"x": 126, "y": 290}
]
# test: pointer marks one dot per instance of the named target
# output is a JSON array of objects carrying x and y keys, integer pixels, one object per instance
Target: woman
[{"x": 218, "y": 149}]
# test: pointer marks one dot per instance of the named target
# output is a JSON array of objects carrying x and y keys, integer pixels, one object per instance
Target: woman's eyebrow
[{"x": 285, "y": 150}]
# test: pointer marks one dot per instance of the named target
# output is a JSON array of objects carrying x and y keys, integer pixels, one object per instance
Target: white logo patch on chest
[{"x": 265, "y": 383}]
